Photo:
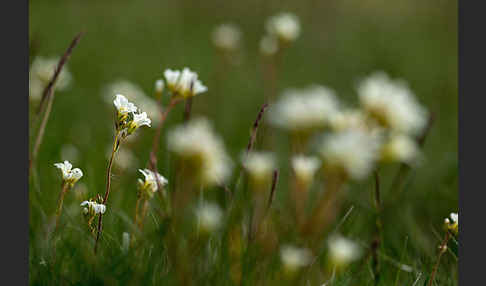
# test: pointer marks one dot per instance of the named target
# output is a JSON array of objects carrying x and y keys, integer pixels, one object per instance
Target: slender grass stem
[
  {"x": 375, "y": 243},
  {"x": 116, "y": 145},
  {"x": 48, "y": 94},
  {"x": 442, "y": 250},
  {"x": 64, "y": 189}
]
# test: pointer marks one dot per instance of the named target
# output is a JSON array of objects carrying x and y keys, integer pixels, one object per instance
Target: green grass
[{"x": 341, "y": 41}]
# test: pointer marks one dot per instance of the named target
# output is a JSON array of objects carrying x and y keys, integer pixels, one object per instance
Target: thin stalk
[
  {"x": 116, "y": 145},
  {"x": 187, "y": 109},
  {"x": 137, "y": 205},
  {"x": 442, "y": 250},
  {"x": 64, "y": 189},
  {"x": 48, "y": 95},
  {"x": 375, "y": 244}
]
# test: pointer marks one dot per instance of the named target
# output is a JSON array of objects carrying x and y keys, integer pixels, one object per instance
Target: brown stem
[
  {"x": 64, "y": 188},
  {"x": 254, "y": 129},
  {"x": 375, "y": 244},
  {"x": 48, "y": 94},
  {"x": 187, "y": 109},
  {"x": 442, "y": 249},
  {"x": 116, "y": 145}
]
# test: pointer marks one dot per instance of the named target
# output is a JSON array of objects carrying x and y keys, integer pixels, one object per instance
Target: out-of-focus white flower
[
  {"x": 209, "y": 217},
  {"x": 42, "y": 71},
  {"x": 453, "y": 225},
  {"x": 342, "y": 251},
  {"x": 351, "y": 153},
  {"x": 69, "y": 152},
  {"x": 125, "y": 158},
  {"x": 268, "y": 45},
  {"x": 125, "y": 242},
  {"x": 133, "y": 93},
  {"x": 285, "y": 26},
  {"x": 185, "y": 83},
  {"x": 259, "y": 166},
  {"x": 91, "y": 207},
  {"x": 305, "y": 168},
  {"x": 123, "y": 106},
  {"x": 392, "y": 103},
  {"x": 400, "y": 148},
  {"x": 226, "y": 37},
  {"x": 159, "y": 86},
  {"x": 197, "y": 143},
  {"x": 294, "y": 258},
  {"x": 306, "y": 109},
  {"x": 150, "y": 184},
  {"x": 69, "y": 175},
  {"x": 348, "y": 119}
]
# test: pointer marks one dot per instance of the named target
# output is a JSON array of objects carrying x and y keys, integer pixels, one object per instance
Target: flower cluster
[
  {"x": 303, "y": 110},
  {"x": 304, "y": 168},
  {"x": 134, "y": 93},
  {"x": 259, "y": 166},
  {"x": 128, "y": 119},
  {"x": 92, "y": 208},
  {"x": 196, "y": 143},
  {"x": 209, "y": 217},
  {"x": 226, "y": 37},
  {"x": 183, "y": 84},
  {"x": 294, "y": 258},
  {"x": 342, "y": 251},
  {"x": 69, "y": 176},
  {"x": 41, "y": 72},
  {"x": 149, "y": 185},
  {"x": 282, "y": 29},
  {"x": 452, "y": 224}
]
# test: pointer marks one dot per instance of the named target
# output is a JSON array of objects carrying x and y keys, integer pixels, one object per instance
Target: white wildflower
[
  {"x": 185, "y": 83},
  {"x": 342, "y": 251},
  {"x": 351, "y": 153},
  {"x": 348, "y": 119},
  {"x": 91, "y": 207},
  {"x": 41, "y": 72},
  {"x": 268, "y": 45},
  {"x": 259, "y": 166},
  {"x": 197, "y": 143},
  {"x": 150, "y": 183},
  {"x": 159, "y": 86},
  {"x": 226, "y": 37},
  {"x": 123, "y": 106},
  {"x": 400, "y": 148},
  {"x": 392, "y": 103},
  {"x": 294, "y": 258},
  {"x": 209, "y": 217},
  {"x": 305, "y": 168},
  {"x": 305, "y": 109},
  {"x": 69, "y": 175},
  {"x": 452, "y": 224},
  {"x": 284, "y": 26}
]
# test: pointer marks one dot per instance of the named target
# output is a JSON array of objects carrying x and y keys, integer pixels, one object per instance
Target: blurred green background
[{"x": 341, "y": 41}]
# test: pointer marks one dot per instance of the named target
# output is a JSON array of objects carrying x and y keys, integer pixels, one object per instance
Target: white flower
[
  {"x": 348, "y": 119},
  {"x": 140, "y": 119},
  {"x": 285, "y": 26},
  {"x": 342, "y": 251},
  {"x": 305, "y": 109},
  {"x": 159, "y": 86},
  {"x": 294, "y": 258},
  {"x": 305, "y": 167},
  {"x": 93, "y": 207},
  {"x": 184, "y": 83},
  {"x": 259, "y": 166},
  {"x": 268, "y": 45},
  {"x": 196, "y": 142},
  {"x": 352, "y": 153},
  {"x": 150, "y": 182},
  {"x": 226, "y": 37},
  {"x": 123, "y": 105},
  {"x": 172, "y": 76},
  {"x": 133, "y": 93},
  {"x": 454, "y": 225},
  {"x": 209, "y": 217},
  {"x": 400, "y": 148},
  {"x": 41, "y": 72},
  {"x": 69, "y": 175},
  {"x": 454, "y": 217},
  {"x": 392, "y": 103}
]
